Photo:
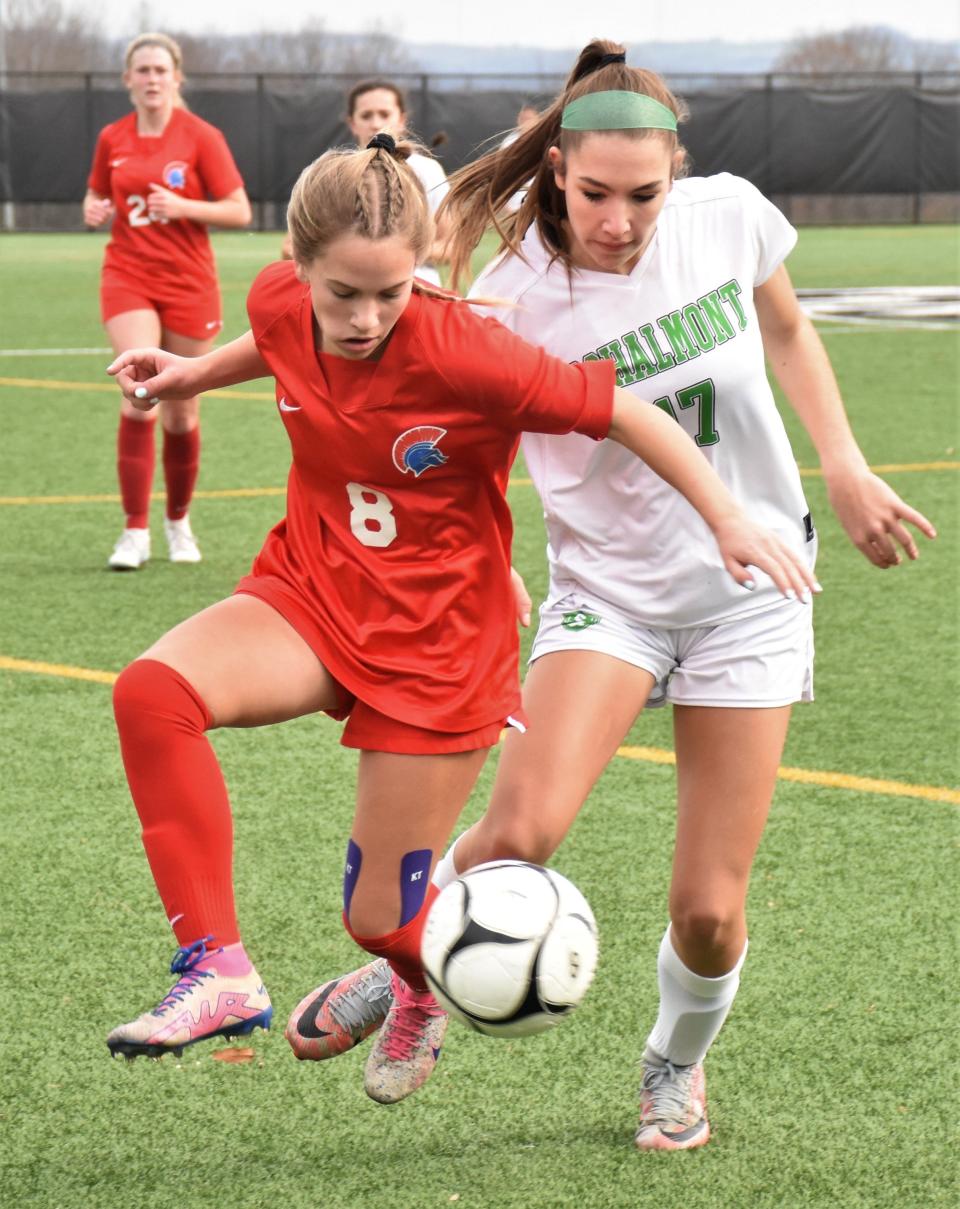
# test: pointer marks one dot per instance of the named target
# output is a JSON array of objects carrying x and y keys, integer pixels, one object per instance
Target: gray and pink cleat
[
  {"x": 408, "y": 1046},
  {"x": 673, "y": 1105},
  {"x": 340, "y": 1013}
]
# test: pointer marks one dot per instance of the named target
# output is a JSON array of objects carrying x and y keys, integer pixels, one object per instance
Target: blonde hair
[
  {"x": 479, "y": 193},
  {"x": 372, "y": 193},
  {"x": 164, "y": 42}
]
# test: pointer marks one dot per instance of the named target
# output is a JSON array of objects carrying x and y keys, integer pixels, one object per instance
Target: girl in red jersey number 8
[
  {"x": 384, "y": 596},
  {"x": 153, "y": 175}
]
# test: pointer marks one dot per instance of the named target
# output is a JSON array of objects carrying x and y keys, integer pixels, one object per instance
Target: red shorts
[
  {"x": 366, "y": 728},
  {"x": 193, "y": 313}
]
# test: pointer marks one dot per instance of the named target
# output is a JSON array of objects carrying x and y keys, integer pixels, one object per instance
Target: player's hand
[
  {"x": 97, "y": 211},
  {"x": 147, "y": 376},
  {"x": 163, "y": 205},
  {"x": 873, "y": 514},
  {"x": 521, "y": 597},
  {"x": 744, "y": 545}
]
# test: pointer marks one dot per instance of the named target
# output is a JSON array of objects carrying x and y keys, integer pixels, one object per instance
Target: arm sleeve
[
  {"x": 773, "y": 237},
  {"x": 99, "y": 178},
  {"x": 521, "y": 387},
  {"x": 216, "y": 166}
]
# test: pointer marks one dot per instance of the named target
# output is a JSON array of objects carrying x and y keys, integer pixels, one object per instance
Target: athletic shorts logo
[
  {"x": 285, "y": 406},
  {"x": 415, "y": 450},
  {"x": 175, "y": 174},
  {"x": 579, "y": 620}
]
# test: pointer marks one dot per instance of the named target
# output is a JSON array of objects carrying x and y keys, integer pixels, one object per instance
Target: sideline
[
  {"x": 111, "y": 388},
  {"x": 650, "y": 755}
]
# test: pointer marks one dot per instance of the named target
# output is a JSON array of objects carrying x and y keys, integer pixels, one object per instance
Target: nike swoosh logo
[
  {"x": 116, "y": 163},
  {"x": 307, "y": 1024},
  {"x": 213, "y": 323},
  {"x": 285, "y": 406}
]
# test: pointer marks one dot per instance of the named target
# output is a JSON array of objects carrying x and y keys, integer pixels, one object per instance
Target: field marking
[
  {"x": 100, "y": 387},
  {"x": 813, "y": 776},
  {"x": 650, "y": 755},
  {"x": 54, "y": 352},
  {"x": 62, "y": 670},
  {"x": 231, "y": 493}
]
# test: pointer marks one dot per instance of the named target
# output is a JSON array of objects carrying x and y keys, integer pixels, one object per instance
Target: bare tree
[
  {"x": 864, "y": 48},
  {"x": 47, "y": 35}
]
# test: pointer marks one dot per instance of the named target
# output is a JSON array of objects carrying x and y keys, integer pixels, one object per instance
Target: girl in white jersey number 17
[{"x": 681, "y": 283}]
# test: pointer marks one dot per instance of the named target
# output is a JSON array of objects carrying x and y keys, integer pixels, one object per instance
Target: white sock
[
  {"x": 446, "y": 871},
  {"x": 692, "y": 1008}
]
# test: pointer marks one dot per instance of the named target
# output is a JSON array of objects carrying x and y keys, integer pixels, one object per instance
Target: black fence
[{"x": 790, "y": 135}]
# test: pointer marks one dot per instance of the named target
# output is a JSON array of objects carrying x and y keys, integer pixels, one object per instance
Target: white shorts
[{"x": 761, "y": 660}]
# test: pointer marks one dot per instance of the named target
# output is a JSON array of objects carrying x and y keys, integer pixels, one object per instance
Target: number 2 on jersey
[
  {"x": 138, "y": 216},
  {"x": 372, "y": 521}
]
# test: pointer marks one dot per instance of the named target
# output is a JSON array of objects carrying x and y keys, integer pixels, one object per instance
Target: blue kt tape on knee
[
  {"x": 351, "y": 872},
  {"x": 414, "y": 879}
]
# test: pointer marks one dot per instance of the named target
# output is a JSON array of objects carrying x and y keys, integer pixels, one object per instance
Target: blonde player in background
[
  {"x": 163, "y": 176},
  {"x": 681, "y": 283}
]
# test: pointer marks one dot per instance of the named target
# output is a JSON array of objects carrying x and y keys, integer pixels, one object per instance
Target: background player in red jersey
[
  {"x": 154, "y": 173},
  {"x": 383, "y": 597}
]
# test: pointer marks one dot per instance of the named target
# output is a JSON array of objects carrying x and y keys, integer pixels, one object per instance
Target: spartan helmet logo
[{"x": 415, "y": 450}]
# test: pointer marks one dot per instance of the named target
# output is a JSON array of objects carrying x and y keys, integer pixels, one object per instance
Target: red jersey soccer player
[
  {"x": 383, "y": 597},
  {"x": 153, "y": 172}
]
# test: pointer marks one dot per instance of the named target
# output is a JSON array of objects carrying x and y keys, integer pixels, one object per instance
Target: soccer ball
[{"x": 510, "y": 948}]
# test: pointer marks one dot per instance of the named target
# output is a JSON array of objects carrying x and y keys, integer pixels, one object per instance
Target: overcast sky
[{"x": 548, "y": 23}]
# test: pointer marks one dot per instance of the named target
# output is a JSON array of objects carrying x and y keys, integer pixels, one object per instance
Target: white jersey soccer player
[{"x": 682, "y": 330}]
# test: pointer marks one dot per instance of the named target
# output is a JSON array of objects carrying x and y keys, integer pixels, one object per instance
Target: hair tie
[
  {"x": 619, "y": 57},
  {"x": 382, "y": 142}
]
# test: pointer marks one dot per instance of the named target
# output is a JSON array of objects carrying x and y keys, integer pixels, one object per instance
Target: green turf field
[{"x": 833, "y": 1085}]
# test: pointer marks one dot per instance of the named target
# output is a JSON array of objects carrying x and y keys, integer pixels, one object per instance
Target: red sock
[
  {"x": 135, "y": 459},
  {"x": 402, "y": 947},
  {"x": 180, "y": 796},
  {"x": 181, "y": 461}
]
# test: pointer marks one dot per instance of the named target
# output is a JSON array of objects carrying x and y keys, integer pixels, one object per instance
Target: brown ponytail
[{"x": 479, "y": 193}]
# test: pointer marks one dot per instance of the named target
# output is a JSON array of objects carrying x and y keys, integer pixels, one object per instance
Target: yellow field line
[
  {"x": 229, "y": 493},
  {"x": 56, "y": 669},
  {"x": 100, "y": 387},
  {"x": 813, "y": 776},
  {"x": 651, "y": 755}
]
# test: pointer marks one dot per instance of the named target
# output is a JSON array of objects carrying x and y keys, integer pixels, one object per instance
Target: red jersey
[
  {"x": 393, "y": 561},
  {"x": 190, "y": 157}
]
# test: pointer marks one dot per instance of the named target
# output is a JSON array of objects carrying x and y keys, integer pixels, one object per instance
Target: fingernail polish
[
  {"x": 141, "y": 392},
  {"x": 790, "y": 594},
  {"x": 749, "y": 585},
  {"x": 817, "y": 587}
]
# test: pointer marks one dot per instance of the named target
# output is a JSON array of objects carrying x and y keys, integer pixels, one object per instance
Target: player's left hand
[
  {"x": 744, "y": 545},
  {"x": 521, "y": 597},
  {"x": 163, "y": 205},
  {"x": 873, "y": 514}
]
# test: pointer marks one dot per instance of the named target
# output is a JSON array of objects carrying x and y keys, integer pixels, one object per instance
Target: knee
[
  {"x": 134, "y": 692},
  {"x": 148, "y": 693},
  {"x": 705, "y": 924},
  {"x": 515, "y": 834}
]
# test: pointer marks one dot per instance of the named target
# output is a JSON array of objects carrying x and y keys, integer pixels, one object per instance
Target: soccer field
[{"x": 833, "y": 1085}]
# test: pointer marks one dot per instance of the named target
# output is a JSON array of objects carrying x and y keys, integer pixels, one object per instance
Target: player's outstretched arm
[
  {"x": 148, "y": 375},
  {"x": 652, "y": 435},
  {"x": 870, "y": 511}
]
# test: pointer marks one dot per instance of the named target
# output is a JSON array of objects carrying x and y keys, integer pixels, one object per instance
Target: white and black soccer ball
[{"x": 510, "y": 948}]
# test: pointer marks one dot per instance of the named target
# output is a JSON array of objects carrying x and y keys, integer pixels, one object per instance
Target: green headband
[{"x": 616, "y": 110}]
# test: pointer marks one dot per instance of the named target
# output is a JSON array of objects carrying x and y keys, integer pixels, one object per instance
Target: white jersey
[
  {"x": 434, "y": 180},
  {"x": 683, "y": 332}
]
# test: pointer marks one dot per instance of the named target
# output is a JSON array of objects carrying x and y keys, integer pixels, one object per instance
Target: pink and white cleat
[
  {"x": 673, "y": 1105},
  {"x": 408, "y": 1045},
  {"x": 202, "y": 1004},
  {"x": 338, "y": 1015}
]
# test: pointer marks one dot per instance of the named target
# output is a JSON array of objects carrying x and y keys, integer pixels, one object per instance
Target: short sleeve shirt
[
  {"x": 394, "y": 555},
  {"x": 682, "y": 331},
  {"x": 192, "y": 158}
]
